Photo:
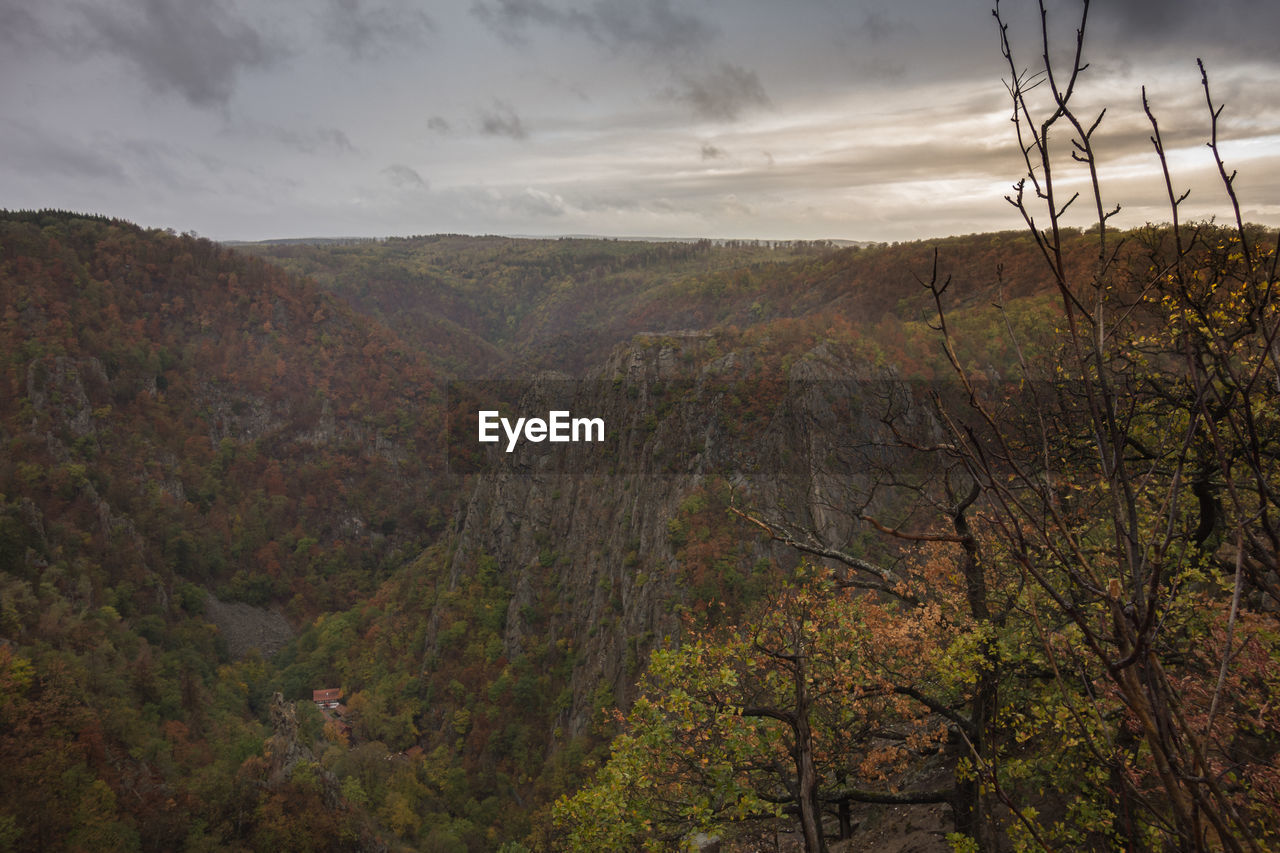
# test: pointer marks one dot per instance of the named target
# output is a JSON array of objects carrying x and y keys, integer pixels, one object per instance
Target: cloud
[
  {"x": 179, "y": 169},
  {"x": 29, "y": 150},
  {"x": 711, "y": 152},
  {"x": 1154, "y": 17},
  {"x": 363, "y": 30},
  {"x": 404, "y": 177},
  {"x": 651, "y": 26},
  {"x": 321, "y": 139},
  {"x": 196, "y": 48},
  {"x": 334, "y": 138},
  {"x": 509, "y": 18},
  {"x": 107, "y": 162},
  {"x": 20, "y": 25},
  {"x": 438, "y": 124},
  {"x": 505, "y": 206},
  {"x": 1177, "y": 30},
  {"x": 879, "y": 26},
  {"x": 537, "y": 203},
  {"x": 1156, "y": 20},
  {"x": 722, "y": 94},
  {"x": 502, "y": 120}
]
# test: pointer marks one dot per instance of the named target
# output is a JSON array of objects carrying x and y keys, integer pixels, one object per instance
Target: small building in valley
[{"x": 328, "y": 698}]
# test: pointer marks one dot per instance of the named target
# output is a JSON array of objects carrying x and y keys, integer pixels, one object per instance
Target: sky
[{"x": 880, "y": 120}]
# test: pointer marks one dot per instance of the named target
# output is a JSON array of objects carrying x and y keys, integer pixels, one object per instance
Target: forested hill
[
  {"x": 179, "y": 420},
  {"x": 183, "y": 420},
  {"x": 993, "y": 668},
  {"x": 192, "y": 429},
  {"x": 502, "y": 307},
  {"x": 251, "y": 431}
]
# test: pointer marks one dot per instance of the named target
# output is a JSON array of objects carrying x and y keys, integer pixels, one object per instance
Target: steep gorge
[
  {"x": 600, "y": 559},
  {"x": 182, "y": 419}
]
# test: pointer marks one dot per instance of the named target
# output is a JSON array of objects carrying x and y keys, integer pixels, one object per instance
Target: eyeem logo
[{"x": 558, "y": 427}]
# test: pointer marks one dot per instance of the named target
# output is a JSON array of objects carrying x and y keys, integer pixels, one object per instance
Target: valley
[{"x": 203, "y": 437}]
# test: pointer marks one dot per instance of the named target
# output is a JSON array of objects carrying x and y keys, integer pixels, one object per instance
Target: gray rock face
[
  {"x": 285, "y": 755},
  {"x": 246, "y": 627},
  {"x": 586, "y": 549},
  {"x": 57, "y": 385}
]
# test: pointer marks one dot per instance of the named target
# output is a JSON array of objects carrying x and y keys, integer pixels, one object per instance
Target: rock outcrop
[{"x": 582, "y": 535}]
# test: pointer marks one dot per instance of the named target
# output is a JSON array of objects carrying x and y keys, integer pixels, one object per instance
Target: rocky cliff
[{"x": 592, "y": 543}]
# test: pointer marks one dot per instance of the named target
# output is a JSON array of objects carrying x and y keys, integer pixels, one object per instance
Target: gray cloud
[
  {"x": 536, "y": 203},
  {"x": 404, "y": 176},
  {"x": 29, "y": 32},
  {"x": 887, "y": 118},
  {"x": 1154, "y": 17},
  {"x": 502, "y": 120},
  {"x": 321, "y": 139},
  {"x": 506, "y": 204},
  {"x": 880, "y": 70},
  {"x": 196, "y": 48},
  {"x": 1162, "y": 29},
  {"x": 722, "y": 93},
  {"x": 652, "y": 26},
  {"x": 20, "y": 25},
  {"x": 878, "y": 25},
  {"x": 112, "y": 162},
  {"x": 662, "y": 199},
  {"x": 363, "y": 30},
  {"x": 1248, "y": 22},
  {"x": 177, "y": 168},
  {"x": 27, "y": 149},
  {"x": 509, "y": 18}
]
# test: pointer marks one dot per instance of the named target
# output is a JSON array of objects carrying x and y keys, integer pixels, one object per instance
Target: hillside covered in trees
[
  {"x": 181, "y": 423},
  {"x": 968, "y": 544},
  {"x": 191, "y": 427}
]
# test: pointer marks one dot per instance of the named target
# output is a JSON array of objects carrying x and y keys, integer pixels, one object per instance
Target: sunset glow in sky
[{"x": 722, "y": 118}]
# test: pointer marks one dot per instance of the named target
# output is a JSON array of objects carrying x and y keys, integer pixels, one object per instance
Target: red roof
[{"x": 329, "y": 694}]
